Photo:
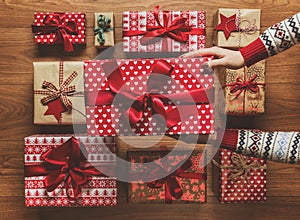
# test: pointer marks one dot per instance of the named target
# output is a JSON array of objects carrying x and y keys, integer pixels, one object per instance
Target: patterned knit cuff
[
  {"x": 254, "y": 52},
  {"x": 230, "y": 139}
]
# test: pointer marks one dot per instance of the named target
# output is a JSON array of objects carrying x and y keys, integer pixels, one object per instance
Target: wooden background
[{"x": 18, "y": 51}]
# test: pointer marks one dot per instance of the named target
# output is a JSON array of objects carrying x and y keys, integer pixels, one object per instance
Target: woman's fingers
[{"x": 212, "y": 51}]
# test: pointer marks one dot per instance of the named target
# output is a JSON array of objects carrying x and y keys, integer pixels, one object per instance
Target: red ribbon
[
  {"x": 64, "y": 164},
  {"x": 177, "y": 30},
  {"x": 149, "y": 100},
  {"x": 172, "y": 187},
  {"x": 56, "y": 23},
  {"x": 241, "y": 85}
]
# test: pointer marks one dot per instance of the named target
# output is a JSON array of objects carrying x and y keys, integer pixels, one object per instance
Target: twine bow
[
  {"x": 103, "y": 26},
  {"x": 240, "y": 167},
  {"x": 241, "y": 85}
]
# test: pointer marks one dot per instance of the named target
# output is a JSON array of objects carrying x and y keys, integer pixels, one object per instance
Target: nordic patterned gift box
[
  {"x": 66, "y": 28},
  {"x": 185, "y": 183},
  {"x": 149, "y": 96},
  {"x": 237, "y": 178},
  {"x": 163, "y": 31},
  {"x": 61, "y": 170},
  {"x": 58, "y": 93}
]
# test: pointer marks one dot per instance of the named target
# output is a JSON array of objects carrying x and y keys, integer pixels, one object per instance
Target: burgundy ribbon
[
  {"x": 177, "y": 30},
  {"x": 149, "y": 100},
  {"x": 172, "y": 187},
  {"x": 64, "y": 164},
  {"x": 241, "y": 85},
  {"x": 56, "y": 23}
]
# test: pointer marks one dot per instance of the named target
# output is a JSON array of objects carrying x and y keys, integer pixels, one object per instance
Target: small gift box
[
  {"x": 61, "y": 170},
  {"x": 149, "y": 96},
  {"x": 59, "y": 28},
  {"x": 163, "y": 31},
  {"x": 104, "y": 29},
  {"x": 161, "y": 177},
  {"x": 235, "y": 28},
  {"x": 58, "y": 93},
  {"x": 244, "y": 89},
  {"x": 238, "y": 178}
]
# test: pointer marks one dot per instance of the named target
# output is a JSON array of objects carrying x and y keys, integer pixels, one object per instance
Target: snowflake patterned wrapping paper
[
  {"x": 277, "y": 146},
  {"x": 238, "y": 178},
  {"x": 58, "y": 93},
  {"x": 123, "y": 97},
  {"x": 187, "y": 184},
  {"x": 244, "y": 89},
  {"x": 235, "y": 28},
  {"x": 175, "y": 31},
  {"x": 57, "y": 172},
  {"x": 104, "y": 29},
  {"x": 59, "y": 28}
]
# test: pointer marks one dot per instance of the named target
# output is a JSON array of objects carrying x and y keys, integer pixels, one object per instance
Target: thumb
[{"x": 216, "y": 63}]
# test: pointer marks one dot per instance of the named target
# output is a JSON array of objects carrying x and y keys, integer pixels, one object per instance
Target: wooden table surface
[{"x": 18, "y": 51}]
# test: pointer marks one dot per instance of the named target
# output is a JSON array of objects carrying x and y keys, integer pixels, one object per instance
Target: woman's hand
[{"x": 226, "y": 58}]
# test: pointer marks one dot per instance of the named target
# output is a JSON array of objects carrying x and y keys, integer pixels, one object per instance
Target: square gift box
[
  {"x": 238, "y": 178},
  {"x": 235, "y": 28},
  {"x": 244, "y": 89},
  {"x": 163, "y": 31},
  {"x": 63, "y": 170},
  {"x": 149, "y": 96},
  {"x": 179, "y": 177},
  {"x": 59, "y": 93},
  {"x": 104, "y": 29},
  {"x": 66, "y": 28}
]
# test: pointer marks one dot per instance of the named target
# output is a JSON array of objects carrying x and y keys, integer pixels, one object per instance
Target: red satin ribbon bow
[
  {"x": 241, "y": 85},
  {"x": 149, "y": 100},
  {"x": 56, "y": 23},
  {"x": 177, "y": 30},
  {"x": 64, "y": 164},
  {"x": 172, "y": 187}
]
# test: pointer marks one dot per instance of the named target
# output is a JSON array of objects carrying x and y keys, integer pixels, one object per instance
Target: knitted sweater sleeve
[{"x": 274, "y": 40}]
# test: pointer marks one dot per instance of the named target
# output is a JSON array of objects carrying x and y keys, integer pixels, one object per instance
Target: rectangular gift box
[
  {"x": 104, "y": 29},
  {"x": 66, "y": 28},
  {"x": 179, "y": 177},
  {"x": 163, "y": 31},
  {"x": 59, "y": 93},
  {"x": 237, "y": 178},
  {"x": 47, "y": 168},
  {"x": 235, "y": 28},
  {"x": 149, "y": 96},
  {"x": 244, "y": 89}
]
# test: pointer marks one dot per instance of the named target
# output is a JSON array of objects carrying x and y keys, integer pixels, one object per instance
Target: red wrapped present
[
  {"x": 182, "y": 183},
  {"x": 163, "y": 31},
  {"x": 149, "y": 96},
  {"x": 237, "y": 178},
  {"x": 61, "y": 170},
  {"x": 59, "y": 28}
]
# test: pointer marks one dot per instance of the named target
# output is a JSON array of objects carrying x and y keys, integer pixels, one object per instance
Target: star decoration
[
  {"x": 55, "y": 108},
  {"x": 227, "y": 25}
]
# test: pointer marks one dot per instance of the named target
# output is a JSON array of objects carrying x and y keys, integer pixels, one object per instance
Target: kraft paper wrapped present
[
  {"x": 64, "y": 170},
  {"x": 244, "y": 89},
  {"x": 58, "y": 93},
  {"x": 235, "y": 28},
  {"x": 186, "y": 184},
  {"x": 163, "y": 31},
  {"x": 237, "y": 178},
  {"x": 149, "y": 97},
  {"x": 104, "y": 29},
  {"x": 66, "y": 28}
]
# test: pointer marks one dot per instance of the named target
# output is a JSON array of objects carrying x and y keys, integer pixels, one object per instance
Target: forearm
[{"x": 274, "y": 40}]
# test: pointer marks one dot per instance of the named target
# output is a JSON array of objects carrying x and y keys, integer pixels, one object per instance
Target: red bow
[
  {"x": 150, "y": 100},
  {"x": 56, "y": 23},
  {"x": 177, "y": 30},
  {"x": 240, "y": 85},
  {"x": 64, "y": 164},
  {"x": 172, "y": 187}
]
